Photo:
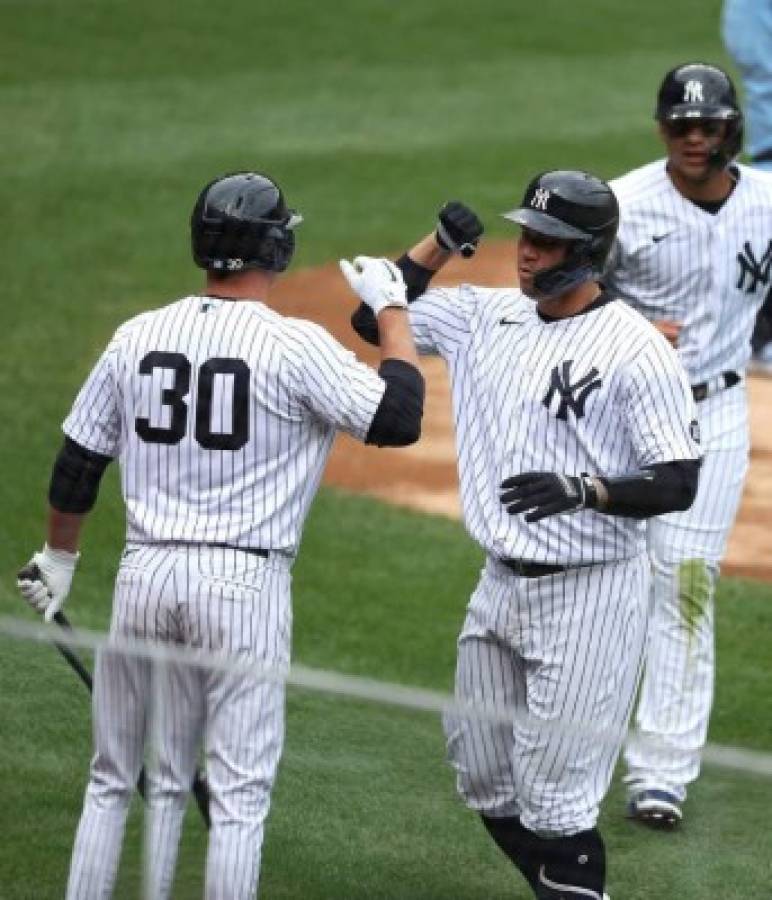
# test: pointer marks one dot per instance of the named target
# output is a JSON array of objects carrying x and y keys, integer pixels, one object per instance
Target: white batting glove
[
  {"x": 45, "y": 581},
  {"x": 377, "y": 282}
]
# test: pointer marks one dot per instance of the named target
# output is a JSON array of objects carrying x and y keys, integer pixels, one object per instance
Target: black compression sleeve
[
  {"x": 417, "y": 279},
  {"x": 363, "y": 322},
  {"x": 661, "y": 488},
  {"x": 75, "y": 478},
  {"x": 397, "y": 421}
]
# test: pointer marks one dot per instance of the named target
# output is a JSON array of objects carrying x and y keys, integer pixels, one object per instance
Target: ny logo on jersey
[
  {"x": 756, "y": 271},
  {"x": 693, "y": 92},
  {"x": 572, "y": 396},
  {"x": 540, "y": 198}
]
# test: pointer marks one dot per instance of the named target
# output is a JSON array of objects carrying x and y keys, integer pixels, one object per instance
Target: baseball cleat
[{"x": 657, "y": 809}]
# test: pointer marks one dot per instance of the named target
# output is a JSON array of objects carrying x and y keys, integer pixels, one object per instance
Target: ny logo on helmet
[
  {"x": 572, "y": 396},
  {"x": 693, "y": 92},
  {"x": 540, "y": 198}
]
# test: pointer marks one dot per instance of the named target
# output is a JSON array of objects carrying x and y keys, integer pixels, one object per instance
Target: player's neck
[
  {"x": 253, "y": 284},
  {"x": 570, "y": 304},
  {"x": 717, "y": 185}
]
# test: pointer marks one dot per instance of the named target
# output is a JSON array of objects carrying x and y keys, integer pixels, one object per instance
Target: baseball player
[
  {"x": 222, "y": 414},
  {"x": 574, "y": 422},
  {"x": 693, "y": 254}
]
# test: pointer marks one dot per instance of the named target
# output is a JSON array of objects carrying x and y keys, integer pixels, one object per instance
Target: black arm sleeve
[
  {"x": 662, "y": 488},
  {"x": 397, "y": 421},
  {"x": 75, "y": 478},
  {"x": 363, "y": 322},
  {"x": 417, "y": 279}
]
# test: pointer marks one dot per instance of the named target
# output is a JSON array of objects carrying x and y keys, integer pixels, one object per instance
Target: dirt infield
[{"x": 424, "y": 476}]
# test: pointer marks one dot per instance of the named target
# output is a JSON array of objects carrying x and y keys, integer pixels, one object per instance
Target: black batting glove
[
  {"x": 458, "y": 229},
  {"x": 547, "y": 494}
]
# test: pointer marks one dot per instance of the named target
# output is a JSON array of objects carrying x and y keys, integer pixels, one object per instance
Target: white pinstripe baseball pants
[
  {"x": 686, "y": 550},
  {"x": 219, "y": 600},
  {"x": 561, "y": 648}
]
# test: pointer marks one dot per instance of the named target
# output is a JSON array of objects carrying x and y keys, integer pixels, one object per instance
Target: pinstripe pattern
[
  {"x": 706, "y": 271},
  {"x": 691, "y": 274},
  {"x": 565, "y": 646},
  {"x": 222, "y": 415},
  {"x": 500, "y": 374},
  {"x": 677, "y": 691},
  {"x": 303, "y": 387},
  {"x": 220, "y": 601}
]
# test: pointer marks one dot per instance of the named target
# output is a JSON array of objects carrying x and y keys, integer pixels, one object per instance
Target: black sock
[{"x": 516, "y": 842}]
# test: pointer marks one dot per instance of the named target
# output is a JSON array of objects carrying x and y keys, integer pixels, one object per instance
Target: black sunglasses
[{"x": 678, "y": 128}]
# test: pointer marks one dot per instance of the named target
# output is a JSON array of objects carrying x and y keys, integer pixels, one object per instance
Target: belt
[
  {"x": 712, "y": 386},
  {"x": 255, "y": 551},
  {"x": 533, "y": 569}
]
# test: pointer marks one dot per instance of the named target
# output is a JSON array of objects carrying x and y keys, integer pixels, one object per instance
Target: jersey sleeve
[
  {"x": 660, "y": 410},
  {"x": 94, "y": 421},
  {"x": 330, "y": 382},
  {"x": 440, "y": 319}
]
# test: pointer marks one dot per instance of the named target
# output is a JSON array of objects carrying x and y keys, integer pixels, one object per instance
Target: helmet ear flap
[{"x": 276, "y": 248}]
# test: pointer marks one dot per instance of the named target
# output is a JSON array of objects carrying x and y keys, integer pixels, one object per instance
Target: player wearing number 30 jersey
[{"x": 222, "y": 414}]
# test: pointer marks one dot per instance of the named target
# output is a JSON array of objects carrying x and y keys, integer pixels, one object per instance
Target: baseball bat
[{"x": 199, "y": 787}]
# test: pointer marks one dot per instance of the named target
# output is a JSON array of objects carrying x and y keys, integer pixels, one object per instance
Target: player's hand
[
  {"x": 45, "y": 581},
  {"x": 377, "y": 282},
  {"x": 458, "y": 229},
  {"x": 546, "y": 494},
  {"x": 670, "y": 329}
]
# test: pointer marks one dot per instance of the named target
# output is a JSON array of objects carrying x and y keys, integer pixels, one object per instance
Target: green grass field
[{"x": 370, "y": 114}]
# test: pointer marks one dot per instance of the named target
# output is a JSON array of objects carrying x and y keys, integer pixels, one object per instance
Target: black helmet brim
[
  {"x": 695, "y": 111},
  {"x": 542, "y": 223}
]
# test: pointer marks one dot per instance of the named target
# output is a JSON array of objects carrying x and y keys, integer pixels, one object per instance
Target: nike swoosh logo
[
  {"x": 573, "y": 890},
  {"x": 659, "y": 237},
  {"x": 506, "y": 321}
]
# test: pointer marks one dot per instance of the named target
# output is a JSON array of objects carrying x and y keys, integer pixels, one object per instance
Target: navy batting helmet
[
  {"x": 240, "y": 221},
  {"x": 577, "y": 207},
  {"x": 702, "y": 91}
]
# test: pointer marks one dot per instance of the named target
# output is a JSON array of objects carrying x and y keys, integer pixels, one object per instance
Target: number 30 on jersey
[{"x": 174, "y": 398}]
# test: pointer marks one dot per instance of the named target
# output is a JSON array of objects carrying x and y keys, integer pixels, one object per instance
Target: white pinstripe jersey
[
  {"x": 673, "y": 260},
  {"x": 511, "y": 378},
  {"x": 223, "y": 415}
]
